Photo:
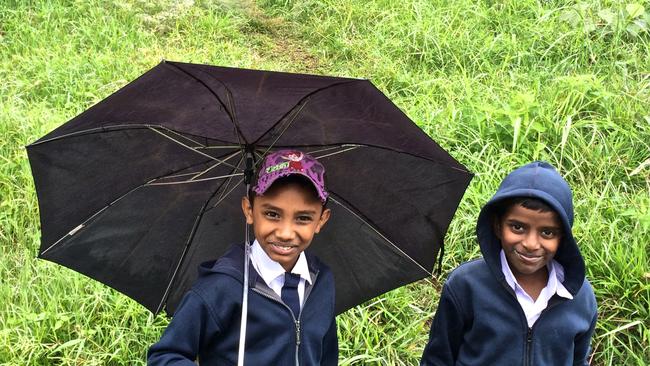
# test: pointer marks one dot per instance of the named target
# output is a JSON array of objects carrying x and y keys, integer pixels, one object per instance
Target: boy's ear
[
  {"x": 325, "y": 215},
  {"x": 247, "y": 209}
]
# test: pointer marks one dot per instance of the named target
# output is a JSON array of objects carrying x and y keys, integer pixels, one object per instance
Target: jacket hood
[
  {"x": 536, "y": 180},
  {"x": 231, "y": 263}
]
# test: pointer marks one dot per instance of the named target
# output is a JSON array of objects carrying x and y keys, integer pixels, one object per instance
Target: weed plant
[{"x": 495, "y": 83}]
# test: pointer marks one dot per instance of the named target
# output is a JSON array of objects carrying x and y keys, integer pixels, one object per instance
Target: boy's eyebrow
[
  {"x": 268, "y": 205},
  {"x": 306, "y": 212},
  {"x": 553, "y": 227},
  {"x": 515, "y": 221}
]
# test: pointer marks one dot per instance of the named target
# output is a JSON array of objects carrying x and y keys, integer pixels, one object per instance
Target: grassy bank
[{"x": 497, "y": 85}]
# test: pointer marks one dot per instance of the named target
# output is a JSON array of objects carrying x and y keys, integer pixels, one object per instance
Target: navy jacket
[
  {"x": 480, "y": 322},
  {"x": 206, "y": 323}
]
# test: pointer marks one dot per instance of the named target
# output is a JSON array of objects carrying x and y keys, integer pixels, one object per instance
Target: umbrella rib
[
  {"x": 178, "y": 265},
  {"x": 191, "y": 148},
  {"x": 195, "y": 175},
  {"x": 215, "y": 165},
  {"x": 183, "y": 136},
  {"x": 241, "y": 159},
  {"x": 209, "y": 147},
  {"x": 354, "y": 147},
  {"x": 163, "y": 300},
  {"x": 312, "y": 152},
  {"x": 195, "y": 180},
  {"x": 227, "y": 193},
  {"x": 199, "y": 216},
  {"x": 152, "y": 182},
  {"x": 380, "y": 234},
  {"x": 83, "y": 224}
]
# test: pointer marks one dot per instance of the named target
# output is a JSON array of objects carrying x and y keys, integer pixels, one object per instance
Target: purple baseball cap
[{"x": 287, "y": 162}]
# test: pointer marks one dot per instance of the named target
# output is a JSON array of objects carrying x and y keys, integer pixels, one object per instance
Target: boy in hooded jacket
[
  {"x": 291, "y": 319},
  {"x": 527, "y": 301}
]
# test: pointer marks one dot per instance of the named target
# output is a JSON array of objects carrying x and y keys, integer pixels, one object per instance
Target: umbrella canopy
[{"x": 139, "y": 189}]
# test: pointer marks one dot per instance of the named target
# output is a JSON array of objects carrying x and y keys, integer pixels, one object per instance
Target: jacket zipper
[
  {"x": 529, "y": 332},
  {"x": 297, "y": 340},
  {"x": 295, "y": 321},
  {"x": 529, "y": 341}
]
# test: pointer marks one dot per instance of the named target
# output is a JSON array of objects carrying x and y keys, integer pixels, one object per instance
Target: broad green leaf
[
  {"x": 634, "y": 10},
  {"x": 70, "y": 343},
  {"x": 538, "y": 127},
  {"x": 634, "y": 29}
]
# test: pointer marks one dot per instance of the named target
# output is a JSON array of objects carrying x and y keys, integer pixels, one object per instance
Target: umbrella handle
[
  {"x": 244, "y": 304},
  {"x": 248, "y": 174}
]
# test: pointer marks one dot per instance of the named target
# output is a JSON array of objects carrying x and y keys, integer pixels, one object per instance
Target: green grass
[{"x": 495, "y": 83}]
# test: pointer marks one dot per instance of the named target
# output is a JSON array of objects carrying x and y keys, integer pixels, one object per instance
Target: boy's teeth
[{"x": 286, "y": 247}]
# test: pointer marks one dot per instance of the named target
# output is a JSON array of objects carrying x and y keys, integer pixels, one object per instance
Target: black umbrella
[{"x": 139, "y": 189}]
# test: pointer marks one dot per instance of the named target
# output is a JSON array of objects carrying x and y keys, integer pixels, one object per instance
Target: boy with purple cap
[{"x": 291, "y": 318}]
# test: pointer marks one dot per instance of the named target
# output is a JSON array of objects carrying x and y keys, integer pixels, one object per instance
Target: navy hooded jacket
[
  {"x": 479, "y": 320},
  {"x": 206, "y": 323}
]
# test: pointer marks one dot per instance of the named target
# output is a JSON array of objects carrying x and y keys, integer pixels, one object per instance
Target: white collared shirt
[
  {"x": 533, "y": 308},
  {"x": 273, "y": 274}
]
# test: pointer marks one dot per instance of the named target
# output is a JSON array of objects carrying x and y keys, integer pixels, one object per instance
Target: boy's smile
[
  {"x": 285, "y": 221},
  {"x": 529, "y": 239}
]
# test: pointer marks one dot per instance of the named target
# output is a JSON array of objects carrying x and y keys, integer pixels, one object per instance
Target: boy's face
[
  {"x": 285, "y": 221},
  {"x": 529, "y": 239}
]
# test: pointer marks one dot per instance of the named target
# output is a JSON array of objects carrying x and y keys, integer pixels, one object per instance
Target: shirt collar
[
  {"x": 555, "y": 277},
  {"x": 270, "y": 269},
  {"x": 557, "y": 274}
]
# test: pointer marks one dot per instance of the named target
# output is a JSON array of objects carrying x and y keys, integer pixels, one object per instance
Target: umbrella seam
[
  {"x": 229, "y": 109},
  {"x": 123, "y": 127},
  {"x": 307, "y": 96},
  {"x": 302, "y": 105},
  {"x": 378, "y": 232}
]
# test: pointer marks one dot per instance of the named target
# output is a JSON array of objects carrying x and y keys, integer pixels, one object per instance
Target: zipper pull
[
  {"x": 297, "y": 332},
  {"x": 529, "y": 337}
]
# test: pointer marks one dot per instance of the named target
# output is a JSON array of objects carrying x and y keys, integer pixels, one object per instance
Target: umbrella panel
[{"x": 140, "y": 259}]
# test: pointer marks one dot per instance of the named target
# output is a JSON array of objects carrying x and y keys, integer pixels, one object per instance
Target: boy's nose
[
  {"x": 531, "y": 242},
  {"x": 285, "y": 232}
]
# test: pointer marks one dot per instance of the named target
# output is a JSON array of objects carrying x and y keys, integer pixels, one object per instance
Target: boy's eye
[
  {"x": 549, "y": 234},
  {"x": 271, "y": 214},
  {"x": 516, "y": 228},
  {"x": 304, "y": 219}
]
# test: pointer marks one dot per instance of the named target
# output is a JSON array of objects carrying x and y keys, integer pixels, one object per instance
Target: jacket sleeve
[
  {"x": 582, "y": 345},
  {"x": 181, "y": 341},
  {"x": 330, "y": 346},
  {"x": 446, "y": 333}
]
